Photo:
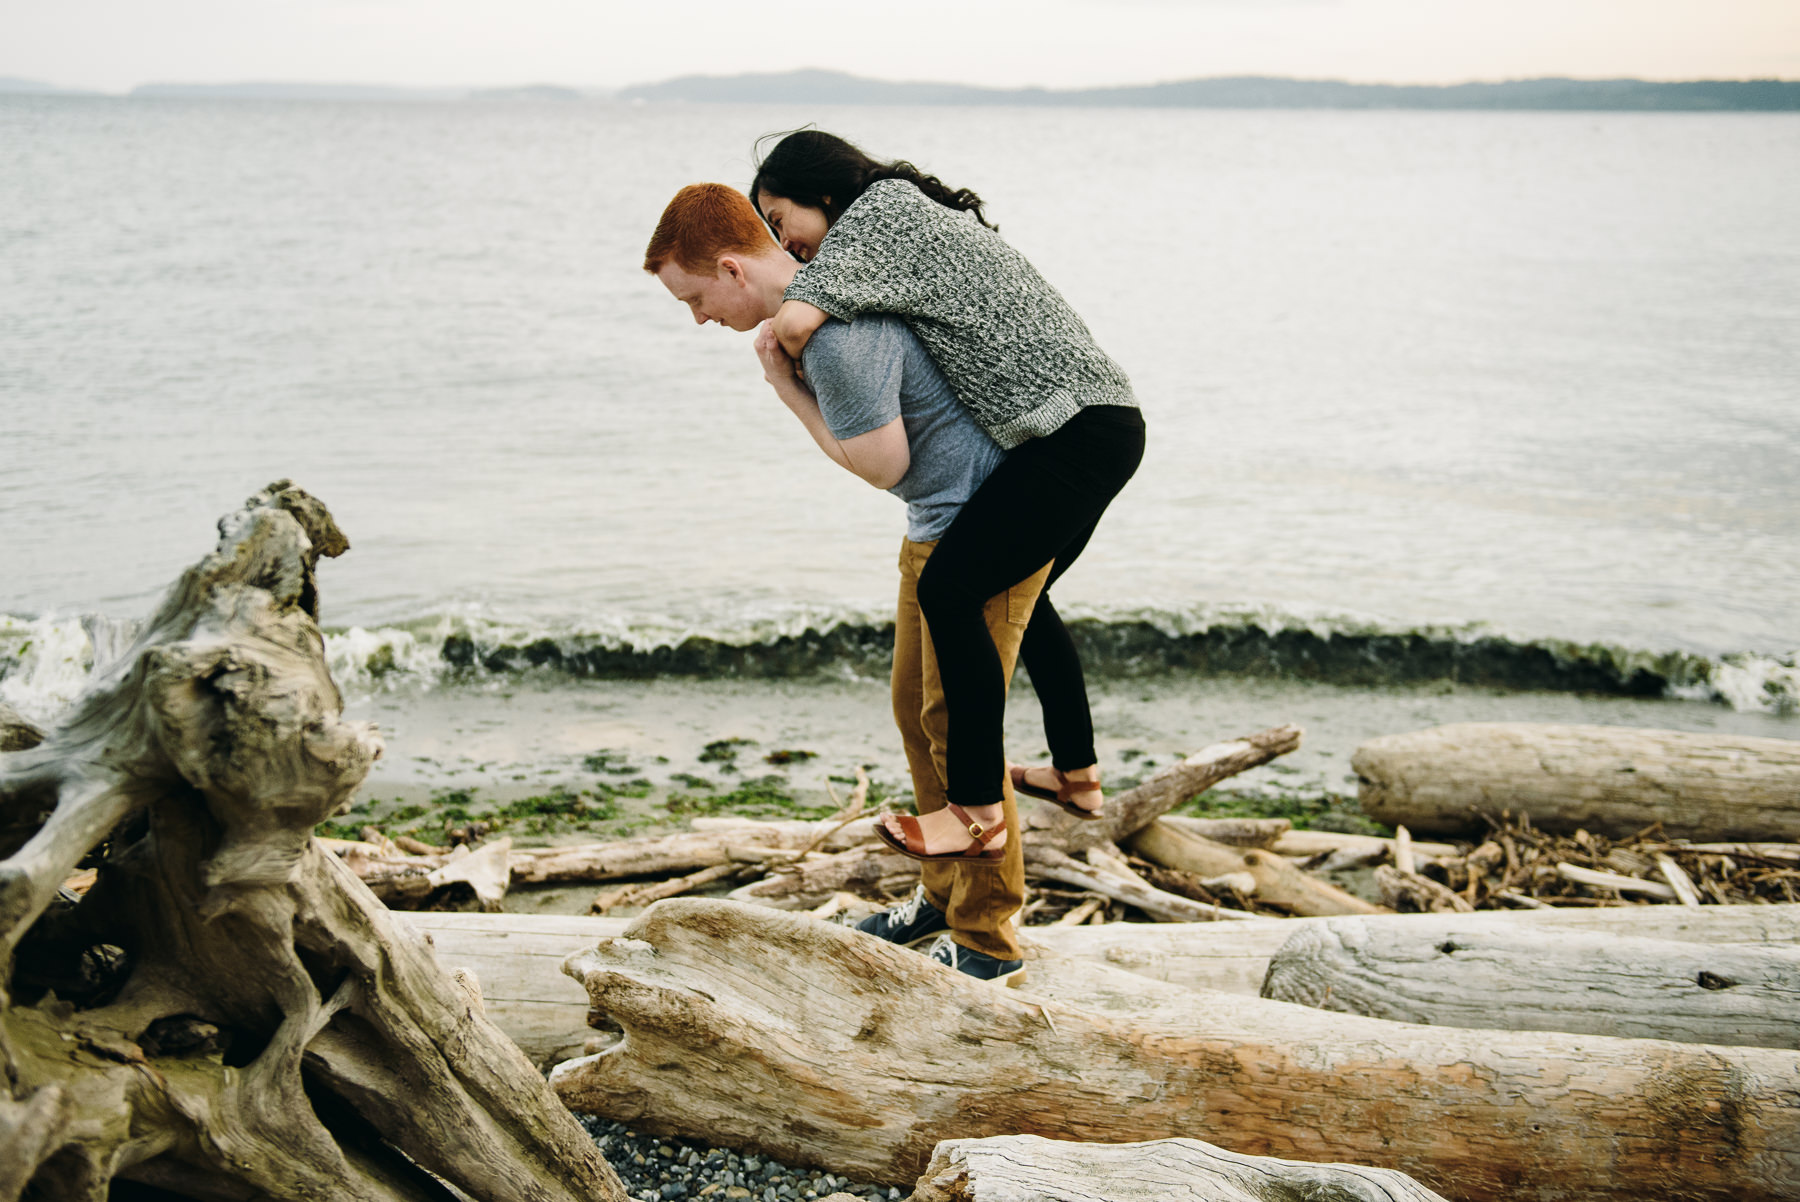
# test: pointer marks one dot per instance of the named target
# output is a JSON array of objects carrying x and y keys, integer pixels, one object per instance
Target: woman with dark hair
[{"x": 887, "y": 238}]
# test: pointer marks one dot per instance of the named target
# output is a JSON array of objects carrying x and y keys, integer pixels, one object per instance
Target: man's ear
[{"x": 732, "y": 266}]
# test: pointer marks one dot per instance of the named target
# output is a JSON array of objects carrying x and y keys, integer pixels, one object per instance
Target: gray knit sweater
[{"x": 1008, "y": 343}]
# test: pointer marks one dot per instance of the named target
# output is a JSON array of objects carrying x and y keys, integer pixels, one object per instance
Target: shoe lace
[
  {"x": 944, "y": 950},
  {"x": 904, "y": 912}
]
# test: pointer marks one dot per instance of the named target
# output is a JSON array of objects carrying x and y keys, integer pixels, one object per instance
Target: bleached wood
[
  {"x": 235, "y": 951},
  {"x": 1029, "y": 1168},
  {"x": 1234, "y": 957},
  {"x": 1601, "y": 879},
  {"x": 1455, "y": 975},
  {"x": 885, "y": 1052},
  {"x": 1312, "y": 843},
  {"x": 1235, "y": 832},
  {"x": 1609, "y": 780},
  {"x": 1681, "y": 882},
  {"x": 1053, "y": 865},
  {"x": 1277, "y": 881}
]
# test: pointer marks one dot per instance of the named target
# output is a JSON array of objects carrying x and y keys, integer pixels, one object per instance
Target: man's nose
[{"x": 700, "y": 318}]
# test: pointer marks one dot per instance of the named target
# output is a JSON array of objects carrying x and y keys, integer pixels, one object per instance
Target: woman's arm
[
  {"x": 794, "y": 324},
  {"x": 881, "y": 456}
]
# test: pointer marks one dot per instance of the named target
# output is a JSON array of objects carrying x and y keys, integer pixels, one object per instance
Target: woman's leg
[{"x": 1040, "y": 504}]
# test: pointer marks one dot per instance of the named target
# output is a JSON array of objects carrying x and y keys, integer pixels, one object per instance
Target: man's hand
[{"x": 778, "y": 366}]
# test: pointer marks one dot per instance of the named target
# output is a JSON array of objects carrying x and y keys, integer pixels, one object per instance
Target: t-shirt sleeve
[
  {"x": 855, "y": 372},
  {"x": 871, "y": 261}
]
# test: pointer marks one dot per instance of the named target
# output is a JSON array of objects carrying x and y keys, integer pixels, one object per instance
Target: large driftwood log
[
  {"x": 1607, "y": 779},
  {"x": 518, "y": 957},
  {"x": 227, "y": 1013},
  {"x": 1520, "y": 979},
  {"x": 1027, "y": 1168},
  {"x": 884, "y": 1052}
]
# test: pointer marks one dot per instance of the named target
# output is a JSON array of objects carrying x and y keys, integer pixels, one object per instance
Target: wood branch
[
  {"x": 803, "y": 885},
  {"x": 235, "y": 1015},
  {"x": 1681, "y": 882},
  {"x": 885, "y": 1052},
  {"x": 1027, "y": 1168},
  {"x": 1133, "y": 810},
  {"x": 1053, "y": 865},
  {"x": 1235, "y": 832},
  {"x": 1615, "y": 881},
  {"x": 1312, "y": 843},
  {"x": 1788, "y": 852},
  {"x": 645, "y": 892},
  {"x": 1277, "y": 881},
  {"x": 1403, "y": 852},
  {"x": 1410, "y": 893},
  {"x": 1541, "y": 980},
  {"x": 1610, "y": 780}
]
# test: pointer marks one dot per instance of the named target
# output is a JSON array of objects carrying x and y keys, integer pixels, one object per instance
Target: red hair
[{"x": 703, "y": 222}]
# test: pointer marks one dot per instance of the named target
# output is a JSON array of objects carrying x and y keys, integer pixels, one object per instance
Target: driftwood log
[
  {"x": 518, "y": 957},
  {"x": 1027, "y": 1168},
  {"x": 1277, "y": 881},
  {"x": 1605, "y": 779},
  {"x": 227, "y": 1013},
  {"x": 1452, "y": 975},
  {"x": 818, "y": 1045}
]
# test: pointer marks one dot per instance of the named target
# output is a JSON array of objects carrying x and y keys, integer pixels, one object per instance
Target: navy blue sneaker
[
  {"x": 907, "y": 921},
  {"x": 979, "y": 965}
]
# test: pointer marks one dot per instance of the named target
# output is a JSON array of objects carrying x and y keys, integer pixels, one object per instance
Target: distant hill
[
  {"x": 1250, "y": 91},
  {"x": 536, "y": 91},
  {"x": 14, "y": 86},
  {"x": 290, "y": 91}
]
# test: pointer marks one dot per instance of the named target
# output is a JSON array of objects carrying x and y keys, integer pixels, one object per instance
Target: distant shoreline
[{"x": 815, "y": 87}]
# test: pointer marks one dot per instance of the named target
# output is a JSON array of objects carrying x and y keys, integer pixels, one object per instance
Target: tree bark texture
[
  {"x": 1609, "y": 780},
  {"x": 1452, "y": 975},
  {"x": 819, "y": 1045},
  {"x": 1235, "y": 957},
  {"x": 228, "y": 1013},
  {"x": 1029, "y": 1168}
]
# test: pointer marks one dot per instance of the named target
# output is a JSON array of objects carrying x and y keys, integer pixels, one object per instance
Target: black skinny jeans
[{"x": 1041, "y": 503}]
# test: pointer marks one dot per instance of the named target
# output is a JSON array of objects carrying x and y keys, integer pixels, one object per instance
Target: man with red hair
[{"x": 874, "y": 402}]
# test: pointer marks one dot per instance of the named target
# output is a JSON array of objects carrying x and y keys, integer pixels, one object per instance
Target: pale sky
[{"x": 113, "y": 44}]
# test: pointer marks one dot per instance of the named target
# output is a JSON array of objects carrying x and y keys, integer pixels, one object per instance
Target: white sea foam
[{"x": 43, "y": 663}]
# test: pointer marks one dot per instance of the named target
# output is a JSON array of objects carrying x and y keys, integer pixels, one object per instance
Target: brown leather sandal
[
  {"x": 1062, "y": 797},
  {"x": 977, "y": 852}
]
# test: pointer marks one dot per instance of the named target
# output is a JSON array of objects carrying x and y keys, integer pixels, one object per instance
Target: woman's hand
[
  {"x": 778, "y": 366},
  {"x": 794, "y": 324}
]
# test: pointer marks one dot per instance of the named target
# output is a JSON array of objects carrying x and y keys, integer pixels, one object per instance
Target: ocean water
[{"x": 1507, "y": 397}]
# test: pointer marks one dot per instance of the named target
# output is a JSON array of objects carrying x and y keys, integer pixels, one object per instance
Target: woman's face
[{"x": 799, "y": 228}]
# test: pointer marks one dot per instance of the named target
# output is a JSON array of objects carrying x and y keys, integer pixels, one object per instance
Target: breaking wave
[{"x": 43, "y": 661}]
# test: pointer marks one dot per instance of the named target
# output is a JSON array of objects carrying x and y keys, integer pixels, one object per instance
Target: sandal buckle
[{"x": 976, "y": 830}]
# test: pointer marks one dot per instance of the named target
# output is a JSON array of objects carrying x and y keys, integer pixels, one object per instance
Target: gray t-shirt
[{"x": 868, "y": 373}]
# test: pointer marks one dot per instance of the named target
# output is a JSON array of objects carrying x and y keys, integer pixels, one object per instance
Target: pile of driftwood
[{"x": 1135, "y": 860}]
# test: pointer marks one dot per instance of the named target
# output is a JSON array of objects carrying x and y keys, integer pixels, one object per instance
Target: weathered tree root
[{"x": 228, "y": 1013}]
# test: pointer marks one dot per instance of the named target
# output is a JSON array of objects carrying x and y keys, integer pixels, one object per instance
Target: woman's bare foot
[
  {"x": 945, "y": 835},
  {"x": 1041, "y": 776}
]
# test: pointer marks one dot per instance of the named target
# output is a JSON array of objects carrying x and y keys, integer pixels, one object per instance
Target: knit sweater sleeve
[{"x": 883, "y": 255}]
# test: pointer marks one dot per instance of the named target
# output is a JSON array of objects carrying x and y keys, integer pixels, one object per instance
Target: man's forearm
[{"x": 801, "y": 402}]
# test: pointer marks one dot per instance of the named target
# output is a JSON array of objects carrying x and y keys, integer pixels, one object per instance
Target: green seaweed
[
  {"x": 785, "y": 756},
  {"x": 764, "y": 797},
  {"x": 1306, "y": 809},
  {"x": 724, "y": 751}
]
